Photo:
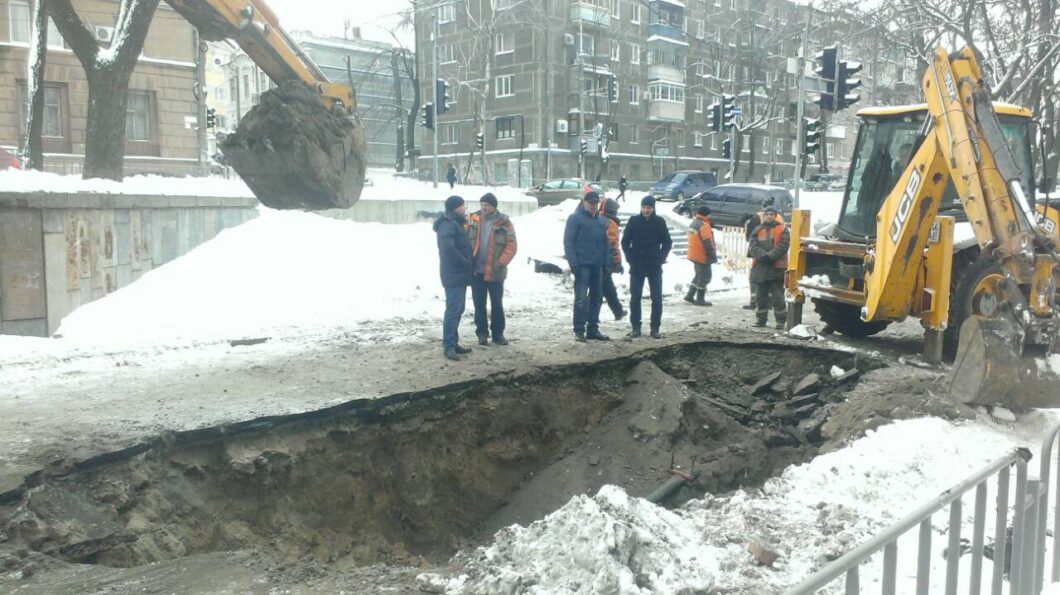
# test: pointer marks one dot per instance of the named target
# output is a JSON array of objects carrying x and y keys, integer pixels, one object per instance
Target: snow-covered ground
[{"x": 611, "y": 543}]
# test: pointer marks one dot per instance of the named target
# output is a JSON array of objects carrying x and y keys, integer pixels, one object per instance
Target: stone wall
[{"x": 60, "y": 251}]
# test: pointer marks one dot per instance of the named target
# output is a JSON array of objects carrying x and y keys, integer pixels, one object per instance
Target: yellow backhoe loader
[
  {"x": 939, "y": 221},
  {"x": 306, "y": 151}
]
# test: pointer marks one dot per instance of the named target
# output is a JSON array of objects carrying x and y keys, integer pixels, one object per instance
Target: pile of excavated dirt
[
  {"x": 410, "y": 479},
  {"x": 294, "y": 153}
]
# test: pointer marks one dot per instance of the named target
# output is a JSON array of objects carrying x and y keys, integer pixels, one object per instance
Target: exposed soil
[
  {"x": 294, "y": 153},
  {"x": 311, "y": 500}
]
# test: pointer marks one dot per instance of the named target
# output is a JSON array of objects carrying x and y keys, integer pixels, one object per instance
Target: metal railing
[
  {"x": 1024, "y": 519},
  {"x": 1036, "y": 563}
]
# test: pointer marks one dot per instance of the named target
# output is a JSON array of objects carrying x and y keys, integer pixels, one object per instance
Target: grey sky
[{"x": 326, "y": 17}]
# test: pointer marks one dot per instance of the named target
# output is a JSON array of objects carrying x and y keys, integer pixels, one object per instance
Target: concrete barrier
[{"x": 60, "y": 251}]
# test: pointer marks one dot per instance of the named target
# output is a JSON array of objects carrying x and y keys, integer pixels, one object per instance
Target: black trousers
[
  {"x": 494, "y": 291},
  {"x": 611, "y": 294}
]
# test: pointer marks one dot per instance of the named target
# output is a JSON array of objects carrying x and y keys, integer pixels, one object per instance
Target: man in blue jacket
[
  {"x": 587, "y": 252},
  {"x": 456, "y": 264}
]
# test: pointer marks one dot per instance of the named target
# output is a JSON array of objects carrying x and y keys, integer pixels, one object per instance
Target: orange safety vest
[
  {"x": 778, "y": 231},
  {"x": 699, "y": 240}
]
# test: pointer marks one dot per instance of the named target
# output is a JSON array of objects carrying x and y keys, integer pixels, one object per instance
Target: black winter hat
[
  {"x": 648, "y": 201},
  {"x": 489, "y": 199},
  {"x": 592, "y": 196},
  {"x": 703, "y": 210},
  {"x": 453, "y": 203},
  {"x": 771, "y": 210}
]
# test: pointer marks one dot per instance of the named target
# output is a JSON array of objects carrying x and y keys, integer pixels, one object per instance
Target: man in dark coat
[
  {"x": 749, "y": 229},
  {"x": 586, "y": 250},
  {"x": 456, "y": 264},
  {"x": 450, "y": 176},
  {"x": 769, "y": 247},
  {"x": 622, "y": 185},
  {"x": 646, "y": 243}
]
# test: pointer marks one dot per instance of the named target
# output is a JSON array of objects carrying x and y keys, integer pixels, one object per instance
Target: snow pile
[
  {"x": 810, "y": 514},
  {"x": 14, "y": 180},
  {"x": 608, "y": 543}
]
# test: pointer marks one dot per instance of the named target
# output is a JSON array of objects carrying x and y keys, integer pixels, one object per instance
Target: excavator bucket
[
  {"x": 991, "y": 369},
  {"x": 294, "y": 153}
]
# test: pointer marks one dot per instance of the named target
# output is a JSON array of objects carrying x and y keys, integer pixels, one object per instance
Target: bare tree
[
  {"x": 33, "y": 149},
  {"x": 108, "y": 70}
]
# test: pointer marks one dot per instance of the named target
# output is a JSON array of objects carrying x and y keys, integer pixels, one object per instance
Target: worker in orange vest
[
  {"x": 769, "y": 247},
  {"x": 703, "y": 254}
]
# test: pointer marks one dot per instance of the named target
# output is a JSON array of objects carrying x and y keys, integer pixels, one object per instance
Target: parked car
[
  {"x": 554, "y": 192},
  {"x": 683, "y": 184},
  {"x": 8, "y": 161},
  {"x": 734, "y": 204},
  {"x": 819, "y": 182}
]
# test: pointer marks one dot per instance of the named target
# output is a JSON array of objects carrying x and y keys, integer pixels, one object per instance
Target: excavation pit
[{"x": 415, "y": 477}]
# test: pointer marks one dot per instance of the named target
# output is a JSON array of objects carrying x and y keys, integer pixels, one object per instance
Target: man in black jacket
[
  {"x": 455, "y": 260},
  {"x": 646, "y": 243}
]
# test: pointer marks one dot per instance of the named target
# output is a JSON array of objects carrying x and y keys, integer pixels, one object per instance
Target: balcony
[
  {"x": 666, "y": 31},
  {"x": 666, "y": 111},
  {"x": 664, "y": 72},
  {"x": 589, "y": 103},
  {"x": 590, "y": 13},
  {"x": 595, "y": 64}
]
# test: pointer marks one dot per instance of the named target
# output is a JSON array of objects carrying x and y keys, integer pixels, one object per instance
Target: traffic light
[
  {"x": 726, "y": 148},
  {"x": 715, "y": 117},
  {"x": 612, "y": 89},
  {"x": 847, "y": 82},
  {"x": 825, "y": 65},
  {"x": 812, "y": 141},
  {"x": 441, "y": 95},
  {"x": 211, "y": 117},
  {"x": 480, "y": 141},
  {"x": 728, "y": 111},
  {"x": 428, "y": 116},
  {"x": 584, "y": 147}
]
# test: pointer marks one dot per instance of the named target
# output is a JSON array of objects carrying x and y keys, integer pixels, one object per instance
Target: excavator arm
[
  {"x": 963, "y": 142},
  {"x": 284, "y": 168}
]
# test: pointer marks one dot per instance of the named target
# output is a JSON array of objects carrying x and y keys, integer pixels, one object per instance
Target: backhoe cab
[{"x": 939, "y": 221}]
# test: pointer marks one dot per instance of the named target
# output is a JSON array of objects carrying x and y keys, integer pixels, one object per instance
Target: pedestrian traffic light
[
  {"x": 428, "y": 116},
  {"x": 211, "y": 117},
  {"x": 847, "y": 82},
  {"x": 612, "y": 89},
  {"x": 825, "y": 64},
  {"x": 441, "y": 92},
  {"x": 726, "y": 148},
  {"x": 480, "y": 141},
  {"x": 584, "y": 146},
  {"x": 728, "y": 111},
  {"x": 812, "y": 140},
  {"x": 715, "y": 117}
]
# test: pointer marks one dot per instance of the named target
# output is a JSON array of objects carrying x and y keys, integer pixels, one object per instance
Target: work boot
[
  {"x": 655, "y": 334},
  {"x": 634, "y": 333},
  {"x": 690, "y": 297},
  {"x": 749, "y": 306},
  {"x": 579, "y": 337},
  {"x": 620, "y": 314},
  {"x": 597, "y": 336},
  {"x": 760, "y": 322},
  {"x": 453, "y": 355},
  {"x": 462, "y": 350},
  {"x": 699, "y": 298},
  {"x": 483, "y": 339},
  {"x": 781, "y": 323},
  {"x": 500, "y": 340}
]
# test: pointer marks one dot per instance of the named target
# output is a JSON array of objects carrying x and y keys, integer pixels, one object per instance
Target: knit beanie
[
  {"x": 648, "y": 201},
  {"x": 453, "y": 203},
  {"x": 592, "y": 196},
  {"x": 703, "y": 210},
  {"x": 489, "y": 199}
]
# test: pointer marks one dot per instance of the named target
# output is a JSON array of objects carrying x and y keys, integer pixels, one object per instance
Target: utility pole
[
  {"x": 800, "y": 127},
  {"x": 434, "y": 101},
  {"x": 200, "y": 103}
]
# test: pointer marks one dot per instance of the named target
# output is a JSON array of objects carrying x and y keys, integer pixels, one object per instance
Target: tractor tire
[
  {"x": 968, "y": 274},
  {"x": 846, "y": 319}
]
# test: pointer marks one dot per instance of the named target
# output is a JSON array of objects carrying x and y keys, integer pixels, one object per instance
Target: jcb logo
[{"x": 905, "y": 206}]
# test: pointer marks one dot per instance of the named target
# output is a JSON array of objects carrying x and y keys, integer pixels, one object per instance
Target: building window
[
  {"x": 615, "y": 4},
  {"x": 830, "y": 147},
  {"x": 505, "y": 127},
  {"x": 503, "y": 43},
  {"x": 53, "y": 110},
  {"x": 701, "y": 68},
  {"x": 717, "y": 68},
  {"x": 679, "y": 134},
  {"x": 586, "y": 44},
  {"x": 446, "y": 53},
  {"x": 714, "y": 142},
  {"x": 449, "y": 134},
  {"x": 18, "y": 18},
  {"x": 55, "y": 39},
  {"x": 505, "y": 86},
  {"x": 780, "y": 146},
  {"x": 246, "y": 86},
  {"x": 138, "y": 116},
  {"x": 233, "y": 88},
  {"x": 765, "y": 146},
  {"x": 697, "y": 140},
  {"x": 634, "y": 94},
  {"x": 666, "y": 92},
  {"x": 701, "y": 28},
  {"x": 634, "y": 53},
  {"x": 446, "y": 14},
  {"x": 634, "y": 134},
  {"x": 616, "y": 51},
  {"x": 746, "y": 145},
  {"x": 635, "y": 19},
  {"x": 699, "y": 103}
]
